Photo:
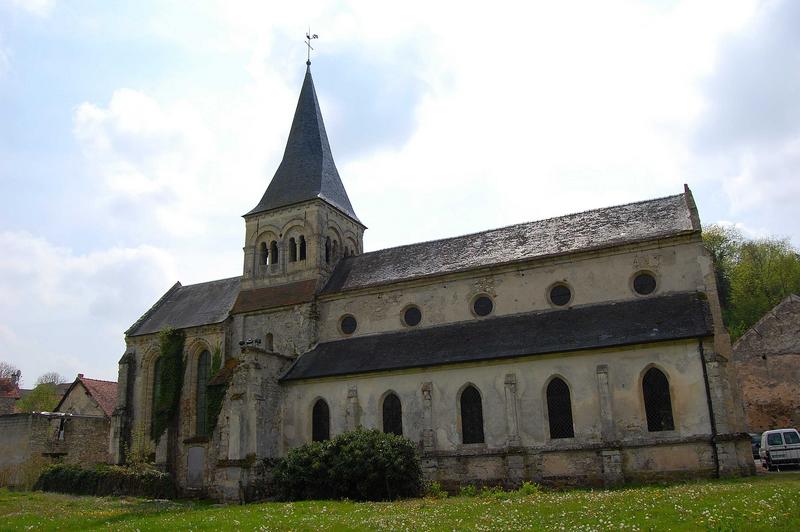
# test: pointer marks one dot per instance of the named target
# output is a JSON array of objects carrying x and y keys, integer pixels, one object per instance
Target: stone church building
[{"x": 583, "y": 349}]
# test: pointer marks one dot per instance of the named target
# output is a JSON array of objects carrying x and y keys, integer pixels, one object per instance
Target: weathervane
[{"x": 309, "y": 37}]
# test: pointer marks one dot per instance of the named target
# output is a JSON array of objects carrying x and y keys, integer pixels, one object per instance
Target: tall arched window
[
  {"x": 559, "y": 410},
  {"x": 269, "y": 342},
  {"x": 273, "y": 252},
  {"x": 392, "y": 415},
  {"x": 327, "y": 249},
  {"x": 302, "y": 247},
  {"x": 320, "y": 421},
  {"x": 335, "y": 250},
  {"x": 156, "y": 393},
  {"x": 292, "y": 250},
  {"x": 203, "y": 370},
  {"x": 657, "y": 401},
  {"x": 471, "y": 416},
  {"x": 264, "y": 254}
]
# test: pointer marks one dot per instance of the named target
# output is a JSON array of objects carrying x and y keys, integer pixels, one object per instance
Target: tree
[
  {"x": 51, "y": 377},
  {"x": 752, "y": 275},
  {"x": 8, "y": 371},
  {"x": 43, "y": 398}
]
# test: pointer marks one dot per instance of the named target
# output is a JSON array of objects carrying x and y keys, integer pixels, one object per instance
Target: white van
[{"x": 780, "y": 448}]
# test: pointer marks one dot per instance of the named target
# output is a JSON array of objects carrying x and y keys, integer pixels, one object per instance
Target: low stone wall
[
  {"x": 29, "y": 442},
  {"x": 595, "y": 467}
]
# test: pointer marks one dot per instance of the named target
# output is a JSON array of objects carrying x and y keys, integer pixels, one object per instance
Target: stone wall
[
  {"x": 28, "y": 442},
  {"x": 767, "y": 362}
]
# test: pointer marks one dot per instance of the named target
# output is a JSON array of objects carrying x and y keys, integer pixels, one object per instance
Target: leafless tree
[
  {"x": 51, "y": 377},
  {"x": 8, "y": 371}
]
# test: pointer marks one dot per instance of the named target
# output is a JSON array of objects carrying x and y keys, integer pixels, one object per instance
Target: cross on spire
[{"x": 309, "y": 37}]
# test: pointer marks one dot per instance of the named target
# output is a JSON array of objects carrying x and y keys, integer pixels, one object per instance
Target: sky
[{"x": 134, "y": 135}]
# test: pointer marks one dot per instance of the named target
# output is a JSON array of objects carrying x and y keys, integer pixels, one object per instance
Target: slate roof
[
  {"x": 595, "y": 229},
  {"x": 307, "y": 170},
  {"x": 103, "y": 392},
  {"x": 275, "y": 296},
  {"x": 670, "y": 317},
  {"x": 189, "y": 306}
]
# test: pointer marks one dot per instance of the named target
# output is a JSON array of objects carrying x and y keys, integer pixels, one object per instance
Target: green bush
[
  {"x": 140, "y": 481},
  {"x": 358, "y": 465},
  {"x": 528, "y": 488},
  {"x": 434, "y": 490},
  {"x": 468, "y": 491}
]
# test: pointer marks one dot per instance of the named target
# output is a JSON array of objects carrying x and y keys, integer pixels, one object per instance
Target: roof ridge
[
  {"x": 96, "y": 380},
  {"x": 767, "y": 315},
  {"x": 212, "y": 281},
  {"x": 576, "y": 213}
]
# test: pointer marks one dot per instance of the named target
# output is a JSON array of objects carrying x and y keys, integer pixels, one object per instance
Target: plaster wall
[
  {"x": 593, "y": 278},
  {"x": 80, "y": 402},
  {"x": 679, "y": 360}
]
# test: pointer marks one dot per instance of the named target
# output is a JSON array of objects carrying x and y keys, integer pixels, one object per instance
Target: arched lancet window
[
  {"x": 156, "y": 393},
  {"x": 320, "y": 421},
  {"x": 657, "y": 401},
  {"x": 335, "y": 251},
  {"x": 392, "y": 415},
  {"x": 292, "y": 250},
  {"x": 273, "y": 252},
  {"x": 203, "y": 370},
  {"x": 264, "y": 254},
  {"x": 471, "y": 416},
  {"x": 269, "y": 342},
  {"x": 559, "y": 410},
  {"x": 302, "y": 247},
  {"x": 327, "y": 249}
]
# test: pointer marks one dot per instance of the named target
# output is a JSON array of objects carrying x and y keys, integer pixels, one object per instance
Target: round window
[
  {"x": 560, "y": 295},
  {"x": 644, "y": 283},
  {"x": 348, "y": 324},
  {"x": 483, "y": 305},
  {"x": 412, "y": 316}
]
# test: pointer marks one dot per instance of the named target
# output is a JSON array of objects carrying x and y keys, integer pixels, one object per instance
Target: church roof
[
  {"x": 189, "y": 306},
  {"x": 671, "y": 317},
  {"x": 307, "y": 170},
  {"x": 589, "y": 230}
]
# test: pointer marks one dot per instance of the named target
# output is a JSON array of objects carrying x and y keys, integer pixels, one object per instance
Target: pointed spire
[{"x": 307, "y": 170}]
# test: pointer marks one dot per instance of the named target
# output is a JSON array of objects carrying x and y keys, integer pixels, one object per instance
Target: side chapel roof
[
  {"x": 656, "y": 319},
  {"x": 307, "y": 170},
  {"x": 189, "y": 306},
  {"x": 589, "y": 230}
]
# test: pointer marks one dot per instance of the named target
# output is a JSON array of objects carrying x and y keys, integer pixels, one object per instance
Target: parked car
[
  {"x": 755, "y": 443},
  {"x": 780, "y": 447}
]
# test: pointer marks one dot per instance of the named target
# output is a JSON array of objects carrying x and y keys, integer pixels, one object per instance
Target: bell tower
[{"x": 304, "y": 223}]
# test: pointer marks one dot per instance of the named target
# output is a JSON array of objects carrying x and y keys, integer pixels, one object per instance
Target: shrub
[
  {"x": 140, "y": 481},
  {"x": 468, "y": 491},
  {"x": 358, "y": 465},
  {"x": 435, "y": 490},
  {"x": 493, "y": 491},
  {"x": 528, "y": 488}
]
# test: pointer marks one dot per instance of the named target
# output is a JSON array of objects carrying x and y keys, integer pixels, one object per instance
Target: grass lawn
[{"x": 756, "y": 503}]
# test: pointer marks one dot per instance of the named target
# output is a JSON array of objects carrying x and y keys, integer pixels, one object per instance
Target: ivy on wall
[
  {"x": 217, "y": 387},
  {"x": 168, "y": 394}
]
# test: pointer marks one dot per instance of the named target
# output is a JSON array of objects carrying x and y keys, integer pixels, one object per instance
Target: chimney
[{"x": 80, "y": 375}]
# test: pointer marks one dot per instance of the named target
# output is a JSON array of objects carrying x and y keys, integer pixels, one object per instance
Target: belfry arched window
[
  {"x": 657, "y": 401},
  {"x": 335, "y": 250},
  {"x": 263, "y": 254},
  {"x": 203, "y": 370},
  {"x": 273, "y": 252},
  {"x": 302, "y": 247},
  {"x": 320, "y": 421},
  {"x": 154, "y": 399},
  {"x": 471, "y": 416},
  {"x": 327, "y": 249},
  {"x": 292, "y": 250},
  {"x": 269, "y": 342},
  {"x": 392, "y": 415},
  {"x": 559, "y": 410}
]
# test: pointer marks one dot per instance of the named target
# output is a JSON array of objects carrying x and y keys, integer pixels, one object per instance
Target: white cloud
[
  {"x": 66, "y": 312},
  {"x": 39, "y": 8}
]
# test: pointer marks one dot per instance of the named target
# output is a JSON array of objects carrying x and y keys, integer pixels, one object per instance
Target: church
[{"x": 586, "y": 349}]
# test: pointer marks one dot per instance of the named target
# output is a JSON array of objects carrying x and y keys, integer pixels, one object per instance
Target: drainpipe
[{"x": 710, "y": 408}]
